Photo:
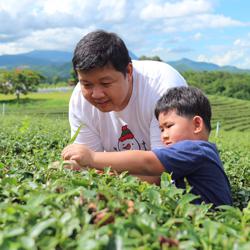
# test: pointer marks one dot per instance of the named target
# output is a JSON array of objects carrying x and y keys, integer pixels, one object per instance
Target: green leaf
[
  {"x": 166, "y": 180},
  {"x": 28, "y": 243},
  {"x": 186, "y": 199},
  {"x": 37, "y": 199},
  {"x": 75, "y": 135},
  {"x": 38, "y": 228},
  {"x": 115, "y": 242},
  {"x": 12, "y": 232},
  {"x": 1, "y": 165}
]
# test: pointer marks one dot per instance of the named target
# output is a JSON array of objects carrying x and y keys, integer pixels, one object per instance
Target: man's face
[
  {"x": 175, "y": 128},
  {"x": 106, "y": 88}
]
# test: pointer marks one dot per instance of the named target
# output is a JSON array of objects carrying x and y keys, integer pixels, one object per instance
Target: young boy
[{"x": 184, "y": 115}]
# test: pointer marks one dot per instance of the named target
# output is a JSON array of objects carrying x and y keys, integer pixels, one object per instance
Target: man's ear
[
  {"x": 130, "y": 70},
  {"x": 198, "y": 124}
]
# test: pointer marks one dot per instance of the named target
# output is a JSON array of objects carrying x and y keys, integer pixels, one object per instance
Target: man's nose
[{"x": 97, "y": 92}]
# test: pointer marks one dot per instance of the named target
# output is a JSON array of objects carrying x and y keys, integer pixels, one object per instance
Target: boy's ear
[
  {"x": 130, "y": 70},
  {"x": 198, "y": 124}
]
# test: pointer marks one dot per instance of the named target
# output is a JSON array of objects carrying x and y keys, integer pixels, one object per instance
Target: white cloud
[
  {"x": 200, "y": 22},
  {"x": 243, "y": 43},
  {"x": 59, "y": 39},
  {"x": 197, "y": 36},
  {"x": 225, "y": 58},
  {"x": 12, "y": 48},
  {"x": 76, "y": 7},
  {"x": 217, "y": 21},
  {"x": 175, "y": 9},
  {"x": 237, "y": 53},
  {"x": 238, "y": 57},
  {"x": 117, "y": 7},
  {"x": 167, "y": 28},
  {"x": 14, "y": 8},
  {"x": 22, "y": 17}
]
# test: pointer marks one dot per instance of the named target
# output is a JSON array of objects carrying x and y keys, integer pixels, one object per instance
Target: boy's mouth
[{"x": 167, "y": 143}]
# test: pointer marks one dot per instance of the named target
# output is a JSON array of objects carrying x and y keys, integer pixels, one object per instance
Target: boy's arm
[{"x": 136, "y": 162}]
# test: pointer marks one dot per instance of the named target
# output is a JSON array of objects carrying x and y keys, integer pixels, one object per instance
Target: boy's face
[
  {"x": 106, "y": 88},
  {"x": 175, "y": 128}
]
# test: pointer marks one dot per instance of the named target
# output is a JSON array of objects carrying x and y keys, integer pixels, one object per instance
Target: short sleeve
[
  {"x": 88, "y": 135},
  {"x": 180, "y": 159}
]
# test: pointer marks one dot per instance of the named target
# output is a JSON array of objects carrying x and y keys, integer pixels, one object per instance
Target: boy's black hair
[
  {"x": 99, "y": 48},
  {"x": 186, "y": 101}
]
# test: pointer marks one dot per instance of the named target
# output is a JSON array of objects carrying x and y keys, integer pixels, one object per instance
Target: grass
[
  {"x": 53, "y": 103},
  {"x": 232, "y": 114}
]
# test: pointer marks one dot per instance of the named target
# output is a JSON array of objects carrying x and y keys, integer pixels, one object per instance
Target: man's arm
[
  {"x": 136, "y": 162},
  {"x": 81, "y": 116}
]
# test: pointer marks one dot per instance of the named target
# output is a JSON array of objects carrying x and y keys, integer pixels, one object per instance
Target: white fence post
[
  {"x": 217, "y": 129},
  {"x": 3, "y": 109}
]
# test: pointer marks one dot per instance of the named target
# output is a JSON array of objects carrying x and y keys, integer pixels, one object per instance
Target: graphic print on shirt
[{"x": 127, "y": 141}]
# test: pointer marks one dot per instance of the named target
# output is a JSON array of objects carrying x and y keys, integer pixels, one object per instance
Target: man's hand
[{"x": 82, "y": 155}]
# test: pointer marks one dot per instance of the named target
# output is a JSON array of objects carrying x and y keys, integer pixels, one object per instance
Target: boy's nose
[{"x": 165, "y": 134}]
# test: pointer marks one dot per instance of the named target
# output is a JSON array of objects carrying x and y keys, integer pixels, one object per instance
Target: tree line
[
  {"x": 22, "y": 81},
  {"x": 220, "y": 83},
  {"x": 236, "y": 85}
]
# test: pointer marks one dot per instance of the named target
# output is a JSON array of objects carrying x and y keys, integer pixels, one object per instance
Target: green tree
[
  {"x": 152, "y": 58},
  {"x": 19, "y": 81},
  {"x": 73, "y": 80},
  {"x": 220, "y": 83}
]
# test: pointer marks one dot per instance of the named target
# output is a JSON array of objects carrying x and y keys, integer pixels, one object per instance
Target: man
[{"x": 115, "y": 97}]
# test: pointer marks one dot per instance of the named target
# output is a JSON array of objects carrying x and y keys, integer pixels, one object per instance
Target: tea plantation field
[
  {"x": 42, "y": 207},
  {"x": 232, "y": 114}
]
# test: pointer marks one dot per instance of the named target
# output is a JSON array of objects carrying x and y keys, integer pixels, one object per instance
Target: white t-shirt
[{"x": 135, "y": 127}]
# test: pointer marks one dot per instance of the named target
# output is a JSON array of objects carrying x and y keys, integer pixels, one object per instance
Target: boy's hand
[{"x": 82, "y": 155}]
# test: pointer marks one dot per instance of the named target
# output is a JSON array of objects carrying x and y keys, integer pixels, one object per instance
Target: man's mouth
[{"x": 101, "y": 103}]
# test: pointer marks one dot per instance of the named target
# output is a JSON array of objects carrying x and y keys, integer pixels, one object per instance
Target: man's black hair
[
  {"x": 187, "y": 102},
  {"x": 100, "y": 48}
]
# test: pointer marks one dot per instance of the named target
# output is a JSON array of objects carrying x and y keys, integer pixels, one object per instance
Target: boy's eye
[{"x": 169, "y": 125}]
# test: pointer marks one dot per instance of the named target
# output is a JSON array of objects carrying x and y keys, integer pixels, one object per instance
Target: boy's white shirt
[{"x": 135, "y": 127}]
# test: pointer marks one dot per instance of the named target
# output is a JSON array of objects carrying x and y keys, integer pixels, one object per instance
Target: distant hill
[
  {"x": 36, "y": 57},
  {"x": 50, "y": 63},
  {"x": 187, "y": 65},
  {"x": 51, "y": 55},
  {"x": 58, "y": 63}
]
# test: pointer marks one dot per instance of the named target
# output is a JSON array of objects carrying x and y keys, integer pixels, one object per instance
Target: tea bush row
[{"x": 47, "y": 208}]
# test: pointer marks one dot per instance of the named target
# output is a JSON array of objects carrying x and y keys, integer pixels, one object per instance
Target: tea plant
[{"x": 43, "y": 208}]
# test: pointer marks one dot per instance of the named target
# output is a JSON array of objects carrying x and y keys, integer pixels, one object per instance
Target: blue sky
[{"x": 201, "y": 30}]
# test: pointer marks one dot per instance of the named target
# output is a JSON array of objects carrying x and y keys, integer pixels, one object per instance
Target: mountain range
[{"x": 58, "y": 63}]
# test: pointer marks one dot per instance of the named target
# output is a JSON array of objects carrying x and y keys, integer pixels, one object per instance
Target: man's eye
[
  {"x": 106, "y": 84},
  {"x": 86, "y": 85}
]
